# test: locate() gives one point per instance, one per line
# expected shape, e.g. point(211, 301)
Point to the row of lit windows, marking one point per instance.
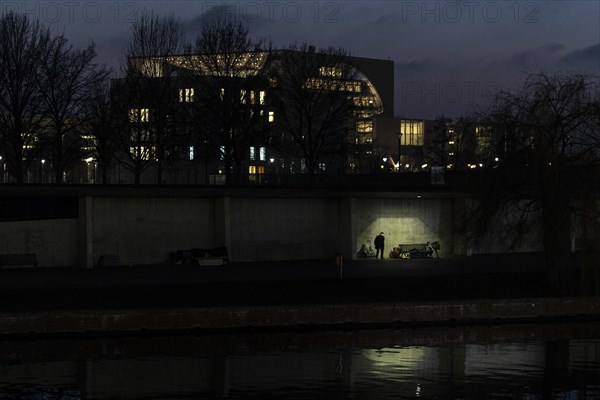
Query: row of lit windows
point(364, 126)
point(363, 101)
point(143, 114)
point(186, 95)
point(334, 72)
point(256, 169)
point(251, 97)
point(262, 153)
point(139, 115)
point(142, 153)
point(327, 84)
point(411, 133)
point(260, 169)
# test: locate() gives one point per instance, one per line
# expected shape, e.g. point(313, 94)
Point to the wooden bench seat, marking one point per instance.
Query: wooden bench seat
point(216, 256)
point(415, 250)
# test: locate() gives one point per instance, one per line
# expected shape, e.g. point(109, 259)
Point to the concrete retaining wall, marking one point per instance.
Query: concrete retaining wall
point(143, 230)
point(53, 241)
point(142, 226)
point(284, 228)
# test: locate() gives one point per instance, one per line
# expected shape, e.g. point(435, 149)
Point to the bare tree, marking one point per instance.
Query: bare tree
point(23, 44)
point(452, 143)
point(148, 93)
point(230, 108)
point(68, 78)
point(100, 116)
point(313, 103)
point(549, 148)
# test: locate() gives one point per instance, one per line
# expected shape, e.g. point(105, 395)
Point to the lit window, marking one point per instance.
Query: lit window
point(139, 115)
point(142, 153)
point(334, 72)
point(322, 166)
point(352, 87)
point(263, 154)
point(262, 96)
point(364, 126)
point(252, 154)
point(186, 95)
point(243, 96)
point(411, 133)
point(222, 151)
point(222, 94)
point(191, 153)
point(303, 165)
point(256, 169)
point(252, 97)
point(271, 116)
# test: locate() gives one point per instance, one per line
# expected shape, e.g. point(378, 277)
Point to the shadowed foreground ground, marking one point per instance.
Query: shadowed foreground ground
point(274, 283)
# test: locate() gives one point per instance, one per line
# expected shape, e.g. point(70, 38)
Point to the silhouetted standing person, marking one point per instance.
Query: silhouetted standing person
point(379, 245)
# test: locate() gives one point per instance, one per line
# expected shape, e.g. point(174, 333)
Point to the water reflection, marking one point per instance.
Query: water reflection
point(519, 361)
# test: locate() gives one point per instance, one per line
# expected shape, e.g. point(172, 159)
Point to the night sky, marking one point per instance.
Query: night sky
point(448, 55)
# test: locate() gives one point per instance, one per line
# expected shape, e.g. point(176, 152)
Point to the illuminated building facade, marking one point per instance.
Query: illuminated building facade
point(369, 93)
point(413, 145)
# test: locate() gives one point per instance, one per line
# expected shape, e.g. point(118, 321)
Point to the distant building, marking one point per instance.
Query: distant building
point(370, 94)
point(412, 145)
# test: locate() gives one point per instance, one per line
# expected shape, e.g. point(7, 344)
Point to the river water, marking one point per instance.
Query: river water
point(534, 361)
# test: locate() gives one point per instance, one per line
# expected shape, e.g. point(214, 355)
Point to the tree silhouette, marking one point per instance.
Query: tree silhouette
point(68, 78)
point(23, 44)
point(314, 109)
point(548, 143)
point(148, 93)
point(229, 109)
point(99, 119)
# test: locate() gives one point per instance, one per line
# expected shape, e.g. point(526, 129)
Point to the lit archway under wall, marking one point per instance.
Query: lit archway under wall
point(403, 220)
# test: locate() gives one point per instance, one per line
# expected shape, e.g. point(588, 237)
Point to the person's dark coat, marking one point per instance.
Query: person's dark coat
point(379, 242)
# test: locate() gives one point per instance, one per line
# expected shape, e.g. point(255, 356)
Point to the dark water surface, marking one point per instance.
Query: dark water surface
point(541, 361)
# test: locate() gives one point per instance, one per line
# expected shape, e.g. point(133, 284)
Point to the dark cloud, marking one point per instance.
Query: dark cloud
point(430, 50)
point(587, 58)
point(251, 18)
point(538, 58)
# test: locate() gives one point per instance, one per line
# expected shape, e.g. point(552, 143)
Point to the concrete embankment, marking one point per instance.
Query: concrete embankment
point(300, 316)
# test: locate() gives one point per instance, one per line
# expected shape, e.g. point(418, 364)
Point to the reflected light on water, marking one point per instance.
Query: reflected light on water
point(328, 365)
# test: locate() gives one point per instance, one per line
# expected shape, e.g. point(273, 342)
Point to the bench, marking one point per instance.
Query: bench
point(13, 260)
point(216, 256)
point(415, 250)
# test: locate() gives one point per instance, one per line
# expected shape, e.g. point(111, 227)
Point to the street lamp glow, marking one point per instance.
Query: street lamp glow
point(384, 159)
point(43, 161)
point(272, 160)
